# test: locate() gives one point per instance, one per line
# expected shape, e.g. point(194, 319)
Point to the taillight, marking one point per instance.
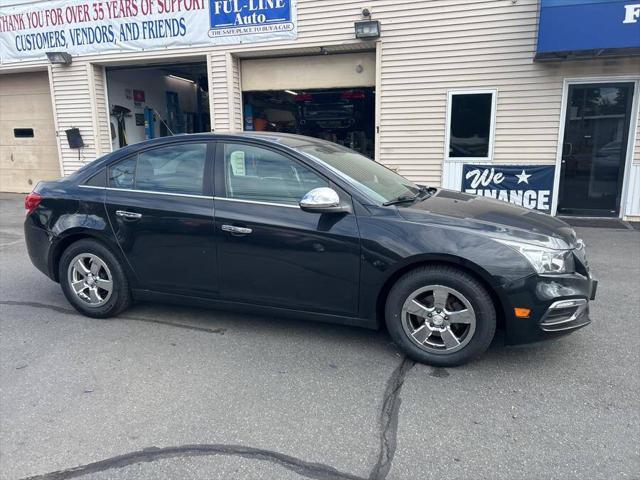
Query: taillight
point(31, 202)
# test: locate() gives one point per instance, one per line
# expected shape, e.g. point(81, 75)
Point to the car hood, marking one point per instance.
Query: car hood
point(490, 217)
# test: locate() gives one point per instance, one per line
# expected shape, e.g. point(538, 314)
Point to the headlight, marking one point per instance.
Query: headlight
point(544, 260)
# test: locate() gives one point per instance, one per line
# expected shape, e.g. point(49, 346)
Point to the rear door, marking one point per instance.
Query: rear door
point(160, 204)
point(270, 252)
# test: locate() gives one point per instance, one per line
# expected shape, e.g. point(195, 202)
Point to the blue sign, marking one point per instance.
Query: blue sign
point(270, 19)
point(529, 186)
point(575, 25)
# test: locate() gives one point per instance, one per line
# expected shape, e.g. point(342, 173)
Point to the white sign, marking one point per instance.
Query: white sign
point(82, 27)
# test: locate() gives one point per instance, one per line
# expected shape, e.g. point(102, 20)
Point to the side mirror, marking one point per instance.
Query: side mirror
point(322, 200)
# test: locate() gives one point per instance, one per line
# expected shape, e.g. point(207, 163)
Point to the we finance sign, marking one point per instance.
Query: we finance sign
point(82, 27)
point(529, 186)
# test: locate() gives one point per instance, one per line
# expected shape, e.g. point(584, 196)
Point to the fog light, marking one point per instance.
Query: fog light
point(522, 312)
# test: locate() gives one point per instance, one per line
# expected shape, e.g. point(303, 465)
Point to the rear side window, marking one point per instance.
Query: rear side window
point(259, 174)
point(122, 174)
point(97, 179)
point(171, 169)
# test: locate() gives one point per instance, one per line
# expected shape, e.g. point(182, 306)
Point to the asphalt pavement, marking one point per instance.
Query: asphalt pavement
point(166, 392)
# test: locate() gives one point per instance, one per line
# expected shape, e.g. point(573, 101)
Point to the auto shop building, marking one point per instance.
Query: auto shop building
point(529, 101)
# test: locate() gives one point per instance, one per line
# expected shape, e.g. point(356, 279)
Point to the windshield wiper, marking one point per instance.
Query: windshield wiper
point(423, 192)
point(401, 199)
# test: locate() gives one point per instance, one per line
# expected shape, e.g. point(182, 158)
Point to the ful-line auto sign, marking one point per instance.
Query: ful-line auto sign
point(528, 186)
point(240, 20)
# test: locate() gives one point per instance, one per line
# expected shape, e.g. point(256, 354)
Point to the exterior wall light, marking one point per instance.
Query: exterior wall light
point(60, 58)
point(367, 29)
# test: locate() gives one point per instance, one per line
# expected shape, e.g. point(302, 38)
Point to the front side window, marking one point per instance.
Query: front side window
point(470, 128)
point(173, 169)
point(262, 175)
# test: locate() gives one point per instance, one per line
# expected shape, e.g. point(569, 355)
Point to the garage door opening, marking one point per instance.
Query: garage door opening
point(341, 115)
point(153, 101)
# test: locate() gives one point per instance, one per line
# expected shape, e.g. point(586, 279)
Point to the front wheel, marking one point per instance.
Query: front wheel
point(93, 280)
point(440, 316)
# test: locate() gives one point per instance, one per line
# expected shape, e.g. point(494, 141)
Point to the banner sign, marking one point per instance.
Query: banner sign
point(82, 27)
point(575, 25)
point(529, 186)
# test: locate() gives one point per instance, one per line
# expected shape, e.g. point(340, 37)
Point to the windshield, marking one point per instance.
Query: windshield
point(369, 177)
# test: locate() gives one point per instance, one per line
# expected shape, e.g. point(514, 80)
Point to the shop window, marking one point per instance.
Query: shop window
point(259, 174)
point(470, 128)
point(23, 132)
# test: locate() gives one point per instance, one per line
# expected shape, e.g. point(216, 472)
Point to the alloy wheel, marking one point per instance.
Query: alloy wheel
point(90, 279)
point(438, 319)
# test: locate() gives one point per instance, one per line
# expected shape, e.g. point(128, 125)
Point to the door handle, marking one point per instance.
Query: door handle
point(570, 152)
point(236, 230)
point(128, 215)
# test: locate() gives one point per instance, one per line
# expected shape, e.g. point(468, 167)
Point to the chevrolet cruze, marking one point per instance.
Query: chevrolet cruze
point(291, 225)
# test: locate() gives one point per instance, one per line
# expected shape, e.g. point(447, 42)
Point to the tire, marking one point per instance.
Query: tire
point(469, 316)
point(97, 298)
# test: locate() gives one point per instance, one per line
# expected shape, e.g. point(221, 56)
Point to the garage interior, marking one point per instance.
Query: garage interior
point(324, 96)
point(344, 116)
point(160, 100)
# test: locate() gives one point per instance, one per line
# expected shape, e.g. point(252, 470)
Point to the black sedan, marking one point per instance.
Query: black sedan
point(290, 225)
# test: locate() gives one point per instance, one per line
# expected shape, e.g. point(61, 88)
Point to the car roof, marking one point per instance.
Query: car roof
point(286, 139)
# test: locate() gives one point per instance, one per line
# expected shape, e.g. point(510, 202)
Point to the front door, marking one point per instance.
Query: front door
point(272, 253)
point(594, 149)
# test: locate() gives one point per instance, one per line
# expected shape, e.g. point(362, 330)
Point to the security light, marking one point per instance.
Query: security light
point(60, 58)
point(367, 29)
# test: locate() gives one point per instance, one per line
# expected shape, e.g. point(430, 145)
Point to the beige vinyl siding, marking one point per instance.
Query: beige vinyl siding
point(74, 108)
point(103, 127)
point(235, 91)
point(471, 45)
point(219, 95)
point(225, 92)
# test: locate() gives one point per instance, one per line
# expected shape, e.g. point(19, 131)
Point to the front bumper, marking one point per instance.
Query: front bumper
point(559, 304)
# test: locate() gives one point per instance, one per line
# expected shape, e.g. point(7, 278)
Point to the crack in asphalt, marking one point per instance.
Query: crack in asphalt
point(388, 422)
point(68, 311)
point(316, 471)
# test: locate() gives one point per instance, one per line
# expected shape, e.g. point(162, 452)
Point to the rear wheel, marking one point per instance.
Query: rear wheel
point(440, 316)
point(93, 280)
